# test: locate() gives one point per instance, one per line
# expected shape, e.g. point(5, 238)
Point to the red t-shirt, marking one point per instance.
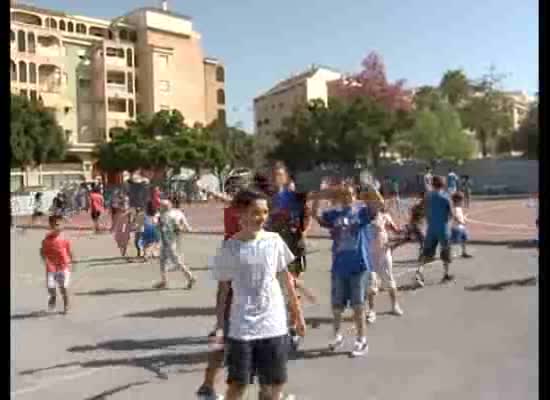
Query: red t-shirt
point(155, 199)
point(230, 222)
point(96, 202)
point(56, 250)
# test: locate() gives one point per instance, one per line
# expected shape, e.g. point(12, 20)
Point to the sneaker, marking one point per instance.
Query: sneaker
point(191, 283)
point(371, 316)
point(160, 285)
point(397, 310)
point(294, 339)
point(466, 255)
point(419, 278)
point(337, 342)
point(51, 304)
point(207, 393)
point(447, 278)
point(360, 347)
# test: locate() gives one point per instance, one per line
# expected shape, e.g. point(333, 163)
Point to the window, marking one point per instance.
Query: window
point(130, 81)
point(12, 36)
point(62, 25)
point(163, 61)
point(84, 83)
point(110, 35)
point(259, 124)
point(53, 23)
point(23, 93)
point(131, 108)
point(70, 27)
point(123, 34)
point(136, 60)
point(13, 71)
point(266, 121)
point(32, 73)
point(281, 105)
point(32, 42)
point(81, 28)
point(136, 85)
point(22, 72)
point(133, 36)
point(34, 96)
point(221, 116)
point(68, 135)
point(129, 57)
point(21, 42)
point(221, 96)
point(164, 86)
point(220, 74)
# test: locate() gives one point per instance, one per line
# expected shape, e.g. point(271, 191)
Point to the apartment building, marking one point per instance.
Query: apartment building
point(520, 102)
point(97, 74)
point(278, 103)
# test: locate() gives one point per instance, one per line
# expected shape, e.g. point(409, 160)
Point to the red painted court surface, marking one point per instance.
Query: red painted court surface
point(488, 220)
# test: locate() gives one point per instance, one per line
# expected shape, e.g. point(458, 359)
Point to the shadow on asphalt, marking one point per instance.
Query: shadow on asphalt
point(531, 281)
point(118, 389)
point(34, 315)
point(109, 292)
point(129, 344)
point(175, 312)
point(513, 244)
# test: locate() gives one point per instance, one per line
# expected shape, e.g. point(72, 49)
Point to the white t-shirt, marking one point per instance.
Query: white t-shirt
point(258, 310)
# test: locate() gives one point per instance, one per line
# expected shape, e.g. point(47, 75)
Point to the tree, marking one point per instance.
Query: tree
point(427, 97)
point(35, 135)
point(526, 138)
point(455, 87)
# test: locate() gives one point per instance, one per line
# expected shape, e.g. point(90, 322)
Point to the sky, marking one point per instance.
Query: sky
point(261, 42)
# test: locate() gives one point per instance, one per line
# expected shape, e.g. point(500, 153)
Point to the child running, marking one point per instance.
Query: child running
point(348, 225)
point(57, 256)
point(38, 206)
point(459, 233)
point(172, 223)
point(97, 207)
point(150, 238)
point(381, 257)
point(257, 341)
point(138, 223)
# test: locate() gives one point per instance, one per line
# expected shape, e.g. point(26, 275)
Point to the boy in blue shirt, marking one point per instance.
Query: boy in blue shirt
point(439, 212)
point(351, 264)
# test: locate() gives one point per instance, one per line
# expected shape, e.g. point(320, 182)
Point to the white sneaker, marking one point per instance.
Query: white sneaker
point(371, 316)
point(360, 347)
point(419, 279)
point(397, 310)
point(337, 342)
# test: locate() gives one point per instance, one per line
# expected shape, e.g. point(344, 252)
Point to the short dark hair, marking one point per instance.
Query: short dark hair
point(246, 197)
point(53, 219)
point(457, 197)
point(437, 182)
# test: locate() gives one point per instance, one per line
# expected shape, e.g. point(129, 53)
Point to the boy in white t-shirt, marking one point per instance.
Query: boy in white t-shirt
point(257, 340)
point(459, 233)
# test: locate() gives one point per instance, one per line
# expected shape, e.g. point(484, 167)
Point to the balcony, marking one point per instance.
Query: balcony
point(117, 91)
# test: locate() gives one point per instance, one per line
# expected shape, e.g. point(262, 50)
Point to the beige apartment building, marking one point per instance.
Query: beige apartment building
point(97, 74)
point(520, 102)
point(278, 103)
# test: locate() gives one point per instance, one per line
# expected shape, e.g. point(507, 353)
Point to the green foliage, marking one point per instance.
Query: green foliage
point(455, 87)
point(526, 138)
point(35, 135)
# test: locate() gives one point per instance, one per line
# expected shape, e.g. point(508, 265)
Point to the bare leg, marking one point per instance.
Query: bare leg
point(337, 321)
point(360, 324)
point(65, 295)
point(235, 391)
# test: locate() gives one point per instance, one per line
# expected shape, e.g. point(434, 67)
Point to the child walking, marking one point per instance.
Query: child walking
point(459, 233)
point(121, 228)
point(351, 264)
point(172, 223)
point(57, 256)
point(257, 340)
point(138, 222)
point(381, 257)
point(150, 237)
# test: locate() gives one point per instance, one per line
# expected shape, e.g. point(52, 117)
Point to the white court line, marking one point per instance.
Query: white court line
point(493, 224)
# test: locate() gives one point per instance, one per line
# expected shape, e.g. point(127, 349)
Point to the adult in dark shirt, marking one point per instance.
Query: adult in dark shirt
point(439, 212)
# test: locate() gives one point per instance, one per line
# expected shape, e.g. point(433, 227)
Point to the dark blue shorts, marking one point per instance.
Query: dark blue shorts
point(350, 289)
point(432, 240)
point(459, 235)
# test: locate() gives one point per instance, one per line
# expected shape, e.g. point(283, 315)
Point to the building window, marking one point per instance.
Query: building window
point(70, 27)
point(266, 121)
point(221, 96)
point(32, 73)
point(281, 105)
point(23, 93)
point(131, 108)
point(13, 71)
point(53, 23)
point(130, 81)
point(136, 64)
point(163, 61)
point(259, 123)
point(81, 28)
point(129, 57)
point(34, 96)
point(12, 36)
point(110, 35)
point(21, 42)
point(133, 36)
point(164, 86)
point(220, 74)
point(221, 116)
point(68, 134)
point(62, 25)
point(22, 72)
point(32, 42)
point(123, 34)
point(136, 88)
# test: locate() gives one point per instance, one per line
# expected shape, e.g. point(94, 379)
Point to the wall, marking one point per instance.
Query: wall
point(211, 86)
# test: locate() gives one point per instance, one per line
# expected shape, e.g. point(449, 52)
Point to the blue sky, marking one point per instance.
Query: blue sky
point(263, 41)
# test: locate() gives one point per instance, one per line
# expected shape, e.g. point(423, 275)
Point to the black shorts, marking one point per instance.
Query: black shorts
point(95, 215)
point(38, 214)
point(265, 358)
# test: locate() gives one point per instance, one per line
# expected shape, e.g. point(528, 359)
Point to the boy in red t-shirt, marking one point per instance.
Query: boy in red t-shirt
point(57, 255)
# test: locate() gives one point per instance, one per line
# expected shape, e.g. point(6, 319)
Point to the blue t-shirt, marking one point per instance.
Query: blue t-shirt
point(438, 212)
point(350, 234)
point(452, 180)
point(285, 208)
